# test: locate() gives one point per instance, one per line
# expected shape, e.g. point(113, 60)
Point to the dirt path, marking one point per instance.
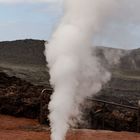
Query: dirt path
point(25, 129)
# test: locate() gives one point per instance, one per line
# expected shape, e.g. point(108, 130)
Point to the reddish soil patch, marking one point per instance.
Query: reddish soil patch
point(12, 123)
point(25, 129)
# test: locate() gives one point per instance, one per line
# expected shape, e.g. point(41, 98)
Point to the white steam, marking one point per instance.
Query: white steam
point(75, 70)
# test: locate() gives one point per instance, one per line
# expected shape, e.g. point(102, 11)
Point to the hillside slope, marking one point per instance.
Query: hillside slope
point(25, 59)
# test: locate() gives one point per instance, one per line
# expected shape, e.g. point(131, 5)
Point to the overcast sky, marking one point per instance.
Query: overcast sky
point(21, 19)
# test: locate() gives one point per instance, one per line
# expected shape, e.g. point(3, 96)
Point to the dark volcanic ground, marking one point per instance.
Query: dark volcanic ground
point(25, 59)
point(23, 75)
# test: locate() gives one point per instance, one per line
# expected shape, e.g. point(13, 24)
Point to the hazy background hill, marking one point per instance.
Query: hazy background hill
point(23, 52)
point(25, 59)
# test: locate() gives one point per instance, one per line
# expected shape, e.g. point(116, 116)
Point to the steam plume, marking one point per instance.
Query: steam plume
point(74, 68)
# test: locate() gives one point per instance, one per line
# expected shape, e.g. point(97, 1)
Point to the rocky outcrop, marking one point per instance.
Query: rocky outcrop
point(20, 98)
point(109, 117)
